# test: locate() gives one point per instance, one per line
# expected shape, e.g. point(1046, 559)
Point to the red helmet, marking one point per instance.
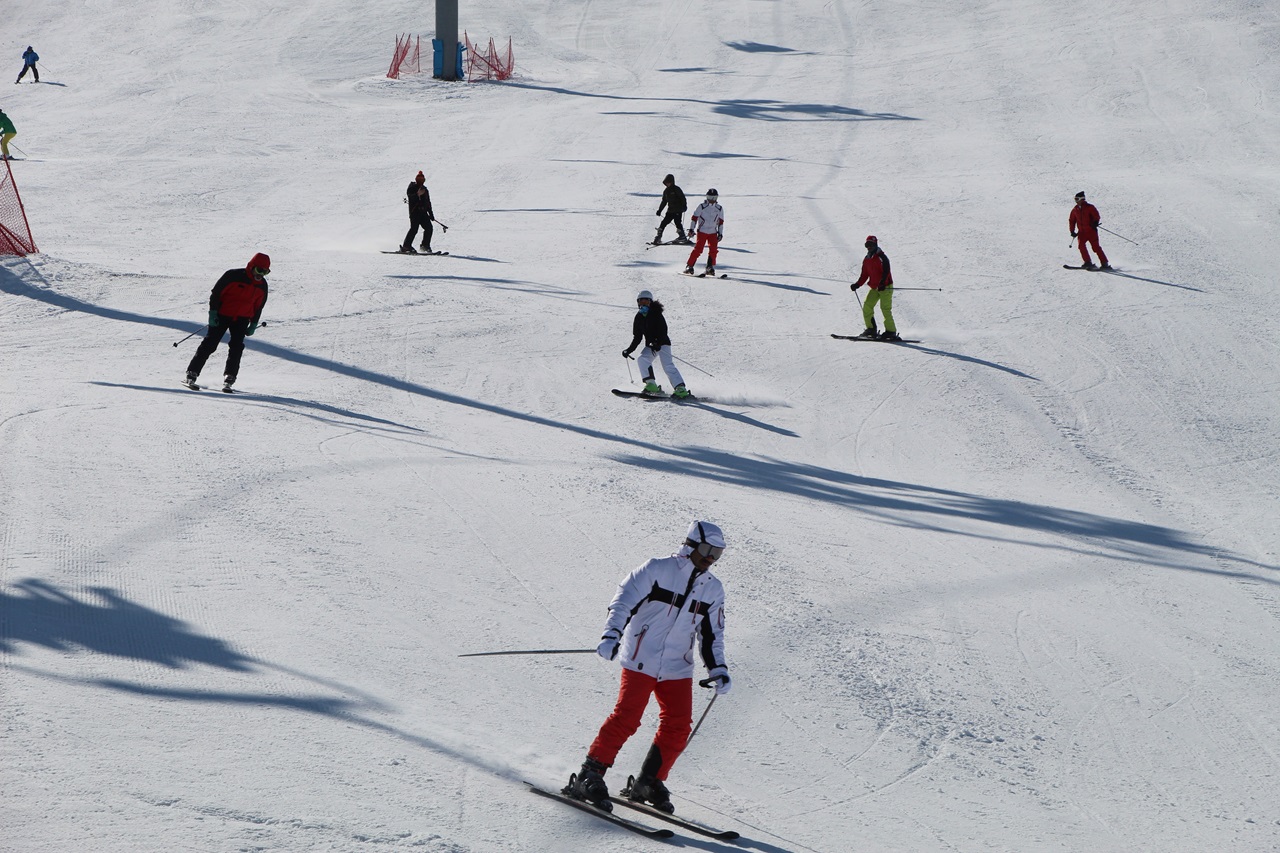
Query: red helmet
point(871, 238)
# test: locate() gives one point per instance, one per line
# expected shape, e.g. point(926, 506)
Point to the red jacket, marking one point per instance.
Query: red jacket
point(241, 293)
point(875, 271)
point(1084, 220)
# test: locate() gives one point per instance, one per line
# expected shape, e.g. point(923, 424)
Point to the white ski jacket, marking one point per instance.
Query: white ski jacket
point(662, 619)
point(709, 218)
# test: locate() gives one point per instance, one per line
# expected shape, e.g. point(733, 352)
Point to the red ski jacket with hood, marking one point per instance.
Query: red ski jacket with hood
point(241, 293)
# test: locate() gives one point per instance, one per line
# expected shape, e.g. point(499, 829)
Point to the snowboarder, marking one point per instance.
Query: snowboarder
point(235, 305)
point(29, 60)
point(652, 326)
point(420, 214)
point(1083, 224)
point(7, 132)
point(663, 611)
point(878, 278)
point(676, 204)
point(708, 227)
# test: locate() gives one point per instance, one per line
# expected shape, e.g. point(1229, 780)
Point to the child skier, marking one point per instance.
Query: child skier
point(662, 612)
point(650, 325)
point(708, 227)
point(1083, 224)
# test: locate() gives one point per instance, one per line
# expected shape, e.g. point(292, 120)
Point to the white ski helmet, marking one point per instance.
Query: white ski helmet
point(705, 539)
point(644, 294)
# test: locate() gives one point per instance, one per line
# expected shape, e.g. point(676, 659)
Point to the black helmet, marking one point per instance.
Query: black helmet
point(711, 193)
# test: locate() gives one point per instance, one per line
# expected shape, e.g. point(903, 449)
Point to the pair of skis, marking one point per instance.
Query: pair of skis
point(225, 389)
point(635, 825)
point(427, 254)
point(643, 396)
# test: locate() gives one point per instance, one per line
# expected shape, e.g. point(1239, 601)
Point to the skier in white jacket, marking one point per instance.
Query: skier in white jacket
point(665, 612)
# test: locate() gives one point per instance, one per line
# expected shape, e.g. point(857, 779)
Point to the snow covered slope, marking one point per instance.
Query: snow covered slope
point(1016, 587)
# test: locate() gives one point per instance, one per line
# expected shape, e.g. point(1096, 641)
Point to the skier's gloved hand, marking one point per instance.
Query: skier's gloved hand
point(720, 676)
point(1073, 235)
point(253, 327)
point(213, 317)
point(655, 347)
point(608, 648)
point(854, 286)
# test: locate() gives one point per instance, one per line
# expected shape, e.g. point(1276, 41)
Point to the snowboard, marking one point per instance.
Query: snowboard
point(874, 340)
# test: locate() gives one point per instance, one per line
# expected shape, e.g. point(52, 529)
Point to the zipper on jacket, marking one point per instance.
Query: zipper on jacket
point(635, 653)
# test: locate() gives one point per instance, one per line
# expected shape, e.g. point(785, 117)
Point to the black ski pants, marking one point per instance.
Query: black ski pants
point(416, 221)
point(675, 216)
point(26, 68)
point(238, 326)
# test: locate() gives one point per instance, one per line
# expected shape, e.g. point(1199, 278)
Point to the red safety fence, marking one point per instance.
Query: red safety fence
point(490, 64)
point(15, 233)
point(408, 56)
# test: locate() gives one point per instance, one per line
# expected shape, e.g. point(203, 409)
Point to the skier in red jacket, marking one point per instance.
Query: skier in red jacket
point(1083, 222)
point(878, 278)
point(236, 306)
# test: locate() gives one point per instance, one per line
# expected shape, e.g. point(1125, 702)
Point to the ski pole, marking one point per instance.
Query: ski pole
point(192, 335)
point(918, 288)
point(628, 358)
point(441, 224)
point(694, 366)
point(531, 652)
point(706, 682)
point(1114, 234)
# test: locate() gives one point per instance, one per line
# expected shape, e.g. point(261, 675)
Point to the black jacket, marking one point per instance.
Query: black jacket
point(419, 206)
point(673, 198)
point(652, 327)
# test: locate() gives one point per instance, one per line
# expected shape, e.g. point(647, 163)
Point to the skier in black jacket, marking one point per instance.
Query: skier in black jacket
point(674, 201)
point(420, 215)
point(652, 326)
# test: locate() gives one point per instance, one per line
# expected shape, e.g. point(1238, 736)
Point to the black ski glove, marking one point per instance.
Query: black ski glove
point(854, 286)
point(626, 353)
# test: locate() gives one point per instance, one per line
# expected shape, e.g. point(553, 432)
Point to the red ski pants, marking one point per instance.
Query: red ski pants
point(710, 240)
point(1092, 240)
point(675, 718)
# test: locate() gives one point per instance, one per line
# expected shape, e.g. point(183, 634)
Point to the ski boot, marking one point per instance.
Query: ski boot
point(711, 271)
point(870, 332)
point(227, 382)
point(688, 270)
point(657, 241)
point(408, 250)
point(190, 380)
point(588, 785)
point(681, 392)
point(1089, 265)
point(650, 791)
point(1106, 266)
point(651, 387)
point(683, 241)
point(890, 335)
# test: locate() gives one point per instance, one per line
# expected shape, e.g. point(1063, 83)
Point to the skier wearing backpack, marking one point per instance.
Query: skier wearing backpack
point(878, 278)
point(650, 325)
point(235, 306)
point(665, 612)
point(707, 224)
point(7, 132)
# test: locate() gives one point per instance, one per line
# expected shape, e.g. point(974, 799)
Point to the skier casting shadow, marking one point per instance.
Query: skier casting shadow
point(663, 611)
point(235, 305)
point(652, 326)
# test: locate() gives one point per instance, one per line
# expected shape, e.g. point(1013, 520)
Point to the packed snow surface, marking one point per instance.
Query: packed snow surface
point(1013, 588)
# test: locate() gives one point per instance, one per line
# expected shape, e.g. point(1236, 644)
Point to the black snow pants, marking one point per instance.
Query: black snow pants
point(237, 326)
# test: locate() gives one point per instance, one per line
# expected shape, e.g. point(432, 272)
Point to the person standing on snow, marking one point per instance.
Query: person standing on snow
point(708, 227)
point(1083, 224)
point(7, 132)
point(29, 60)
point(663, 613)
point(652, 326)
point(420, 215)
point(878, 278)
point(236, 306)
point(676, 204)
